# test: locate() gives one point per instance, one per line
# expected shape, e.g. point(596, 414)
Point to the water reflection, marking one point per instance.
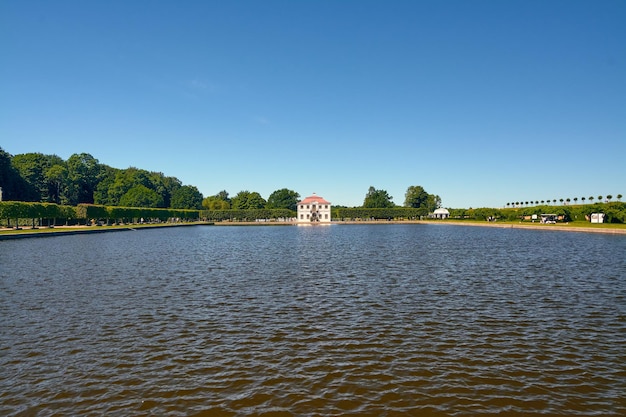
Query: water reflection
point(338, 320)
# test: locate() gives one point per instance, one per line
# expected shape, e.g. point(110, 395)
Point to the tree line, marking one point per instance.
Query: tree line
point(615, 212)
point(82, 179)
point(563, 201)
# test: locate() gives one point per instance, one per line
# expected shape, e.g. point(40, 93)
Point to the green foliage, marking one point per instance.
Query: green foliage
point(220, 201)
point(417, 197)
point(27, 210)
point(246, 200)
point(13, 185)
point(187, 197)
point(247, 215)
point(215, 203)
point(377, 199)
point(56, 178)
point(83, 173)
point(404, 213)
point(34, 168)
point(283, 199)
point(141, 196)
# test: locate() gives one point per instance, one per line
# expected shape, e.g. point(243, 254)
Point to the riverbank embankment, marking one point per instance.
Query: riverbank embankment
point(6, 234)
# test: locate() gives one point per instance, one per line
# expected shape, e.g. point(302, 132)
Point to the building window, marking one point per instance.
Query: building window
point(302, 216)
point(307, 206)
point(326, 206)
point(307, 216)
point(325, 216)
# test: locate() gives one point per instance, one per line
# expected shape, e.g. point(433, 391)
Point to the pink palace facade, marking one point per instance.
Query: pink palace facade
point(314, 209)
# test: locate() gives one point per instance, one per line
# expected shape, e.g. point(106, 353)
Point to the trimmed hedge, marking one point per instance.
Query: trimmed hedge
point(246, 215)
point(406, 213)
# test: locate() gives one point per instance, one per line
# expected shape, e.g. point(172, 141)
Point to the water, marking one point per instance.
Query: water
point(364, 320)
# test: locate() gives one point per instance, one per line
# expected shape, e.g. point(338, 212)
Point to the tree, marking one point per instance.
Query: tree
point(219, 201)
point(32, 168)
point(283, 199)
point(583, 199)
point(575, 200)
point(223, 195)
point(377, 199)
point(215, 203)
point(415, 197)
point(591, 198)
point(433, 202)
point(619, 197)
point(245, 200)
point(83, 173)
point(609, 197)
point(57, 178)
point(13, 185)
point(107, 179)
point(141, 196)
point(187, 197)
point(599, 199)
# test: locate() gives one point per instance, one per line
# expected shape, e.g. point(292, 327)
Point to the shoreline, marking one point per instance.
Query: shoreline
point(77, 230)
point(45, 231)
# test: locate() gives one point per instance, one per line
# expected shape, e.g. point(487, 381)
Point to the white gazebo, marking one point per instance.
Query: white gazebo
point(314, 209)
point(440, 213)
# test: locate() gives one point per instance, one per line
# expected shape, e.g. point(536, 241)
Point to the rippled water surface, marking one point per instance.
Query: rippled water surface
point(378, 320)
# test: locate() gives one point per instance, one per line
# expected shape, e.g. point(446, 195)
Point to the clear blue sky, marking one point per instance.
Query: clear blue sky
point(481, 102)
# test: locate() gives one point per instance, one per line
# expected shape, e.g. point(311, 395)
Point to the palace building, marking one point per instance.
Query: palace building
point(314, 209)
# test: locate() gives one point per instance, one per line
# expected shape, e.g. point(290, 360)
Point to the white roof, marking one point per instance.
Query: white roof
point(441, 211)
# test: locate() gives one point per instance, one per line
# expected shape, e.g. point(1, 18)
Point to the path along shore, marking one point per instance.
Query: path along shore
point(75, 230)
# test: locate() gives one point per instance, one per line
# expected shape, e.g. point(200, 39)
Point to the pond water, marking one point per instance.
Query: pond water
point(368, 320)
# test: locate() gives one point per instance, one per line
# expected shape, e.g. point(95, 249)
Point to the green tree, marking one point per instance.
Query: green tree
point(32, 168)
point(619, 197)
point(141, 196)
point(609, 197)
point(283, 199)
point(599, 199)
point(57, 179)
point(415, 197)
point(83, 173)
point(220, 201)
point(107, 179)
point(433, 202)
point(223, 195)
point(377, 199)
point(215, 203)
point(187, 197)
point(248, 200)
point(13, 185)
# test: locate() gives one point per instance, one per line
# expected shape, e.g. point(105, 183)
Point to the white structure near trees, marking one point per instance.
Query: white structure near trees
point(314, 209)
point(440, 213)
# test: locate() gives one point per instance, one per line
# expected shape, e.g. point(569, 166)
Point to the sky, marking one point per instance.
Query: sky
point(481, 102)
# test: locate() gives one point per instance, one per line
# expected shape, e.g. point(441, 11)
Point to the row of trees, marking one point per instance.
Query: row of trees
point(609, 197)
point(415, 197)
point(615, 212)
point(83, 179)
point(52, 214)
